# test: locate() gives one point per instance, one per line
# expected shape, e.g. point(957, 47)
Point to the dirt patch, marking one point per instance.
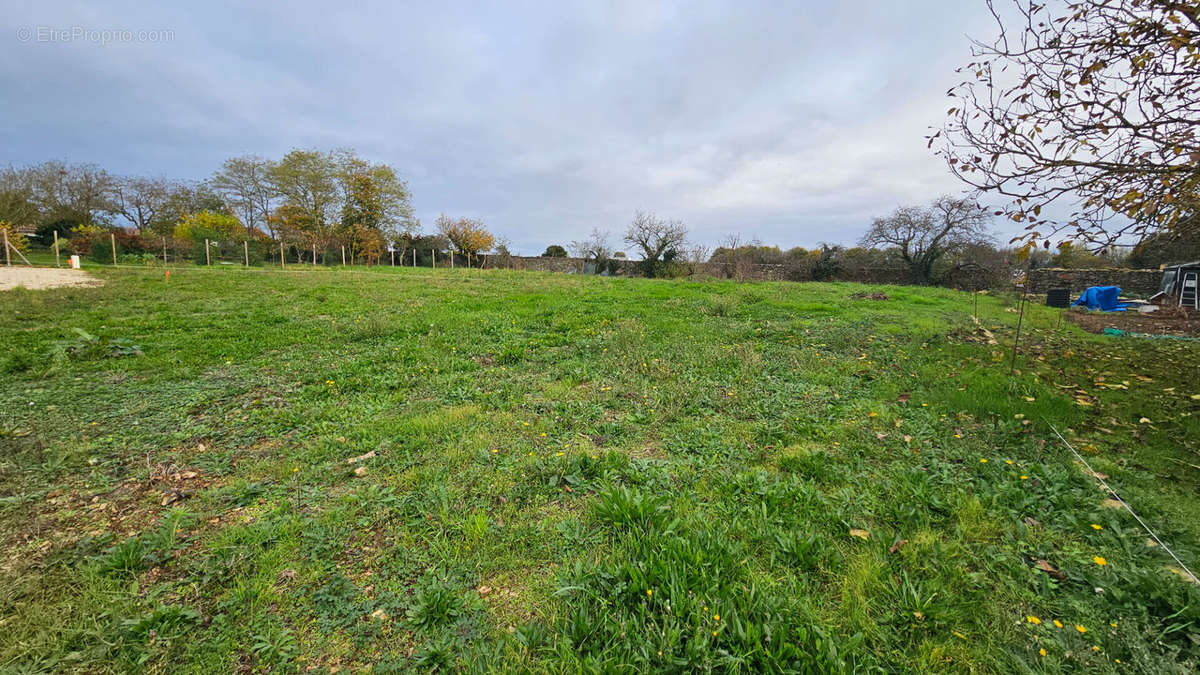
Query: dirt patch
point(868, 296)
point(1166, 321)
point(39, 278)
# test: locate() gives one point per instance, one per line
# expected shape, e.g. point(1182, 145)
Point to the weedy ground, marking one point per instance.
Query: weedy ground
point(409, 469)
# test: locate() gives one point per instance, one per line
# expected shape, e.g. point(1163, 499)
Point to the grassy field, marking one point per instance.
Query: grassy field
point(408, 469)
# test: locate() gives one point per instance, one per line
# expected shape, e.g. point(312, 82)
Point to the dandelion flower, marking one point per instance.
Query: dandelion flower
point(1024, 477)
point(1079, 628)
point(1113, 624)
point(1097, 527)
point(1095, 648)
point(1008, 461)
point(872, 414)
point(958, 435)
point(714, 633)
point(983, 460)
point(716, 617)
point(1033, 620)
point(1100, 561)
point(649, 592)
point(1057, 623)
point(1042, 651)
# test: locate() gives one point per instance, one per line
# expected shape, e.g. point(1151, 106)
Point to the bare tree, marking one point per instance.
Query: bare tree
point(76, 193)
point(597, 248)
point(245, 183)
point(1093, 103)
point(141, 201)
point(923, 235)
point(655, 237)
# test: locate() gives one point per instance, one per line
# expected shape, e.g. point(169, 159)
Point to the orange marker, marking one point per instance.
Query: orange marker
point(168, 278)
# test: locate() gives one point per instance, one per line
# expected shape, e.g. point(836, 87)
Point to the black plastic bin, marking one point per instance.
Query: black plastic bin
point(1058, 297)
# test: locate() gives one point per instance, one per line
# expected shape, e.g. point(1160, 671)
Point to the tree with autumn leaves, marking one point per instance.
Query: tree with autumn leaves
point(330, 199)
point(466, 235)
point(1088, 107)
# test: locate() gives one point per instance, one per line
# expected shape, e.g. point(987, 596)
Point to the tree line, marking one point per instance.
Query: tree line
point(309, 203)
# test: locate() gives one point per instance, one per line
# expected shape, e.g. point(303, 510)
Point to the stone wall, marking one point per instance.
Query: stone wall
point(743, 271)
point(1132, 282)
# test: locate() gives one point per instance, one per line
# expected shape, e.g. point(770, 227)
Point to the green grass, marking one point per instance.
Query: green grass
point(581, 474)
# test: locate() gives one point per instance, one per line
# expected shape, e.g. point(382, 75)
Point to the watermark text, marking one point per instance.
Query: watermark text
point(98, 36)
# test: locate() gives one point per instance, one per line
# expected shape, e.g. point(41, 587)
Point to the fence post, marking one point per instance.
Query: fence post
point(414, 257)
point(112, 241)
point(164, 251)
point(246, 252)
point(7, 262)
point(207, 257)
point(282, 265)
point(433, 252)
point(451, 259)
point(314, 247)
point(393, 254)
point(343, 256)
point(56, 263)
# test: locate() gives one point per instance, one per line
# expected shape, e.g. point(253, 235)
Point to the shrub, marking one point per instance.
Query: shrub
point(100, 249)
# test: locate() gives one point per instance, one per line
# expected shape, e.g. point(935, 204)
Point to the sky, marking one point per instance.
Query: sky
point(790, 122)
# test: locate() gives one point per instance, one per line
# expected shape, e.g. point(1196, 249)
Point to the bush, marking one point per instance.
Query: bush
point(101, 250)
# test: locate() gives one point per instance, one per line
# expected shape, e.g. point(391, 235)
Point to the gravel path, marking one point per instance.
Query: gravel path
point(37, 278)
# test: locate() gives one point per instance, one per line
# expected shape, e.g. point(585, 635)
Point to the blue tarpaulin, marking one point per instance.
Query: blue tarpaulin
point(1103, 298)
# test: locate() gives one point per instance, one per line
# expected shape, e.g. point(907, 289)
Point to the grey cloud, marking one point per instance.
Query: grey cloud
point(792, 122)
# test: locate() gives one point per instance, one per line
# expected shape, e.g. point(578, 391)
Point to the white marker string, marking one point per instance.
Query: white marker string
point(1123, 503)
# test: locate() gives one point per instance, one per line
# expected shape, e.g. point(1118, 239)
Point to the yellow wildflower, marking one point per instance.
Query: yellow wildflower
point(1079, 628)
point(1033, 620)
point(1097, 527)
point(1099, 561)
point(1057, 623)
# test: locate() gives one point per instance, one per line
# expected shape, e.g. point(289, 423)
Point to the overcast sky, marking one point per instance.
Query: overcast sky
point(793, 122)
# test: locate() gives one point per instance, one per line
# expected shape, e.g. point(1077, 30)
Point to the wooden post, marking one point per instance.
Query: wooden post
point(343, 256)
point(282, 264)
point(246, 252)
point(433, 252)
point(207, 257)
point(314, 246)
point(164, 251)
point(56, 263)
point(393, 254)
point(414, 257)
point(7, 262)
point(468, 260)
point(451, 259)
point(112, 241)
